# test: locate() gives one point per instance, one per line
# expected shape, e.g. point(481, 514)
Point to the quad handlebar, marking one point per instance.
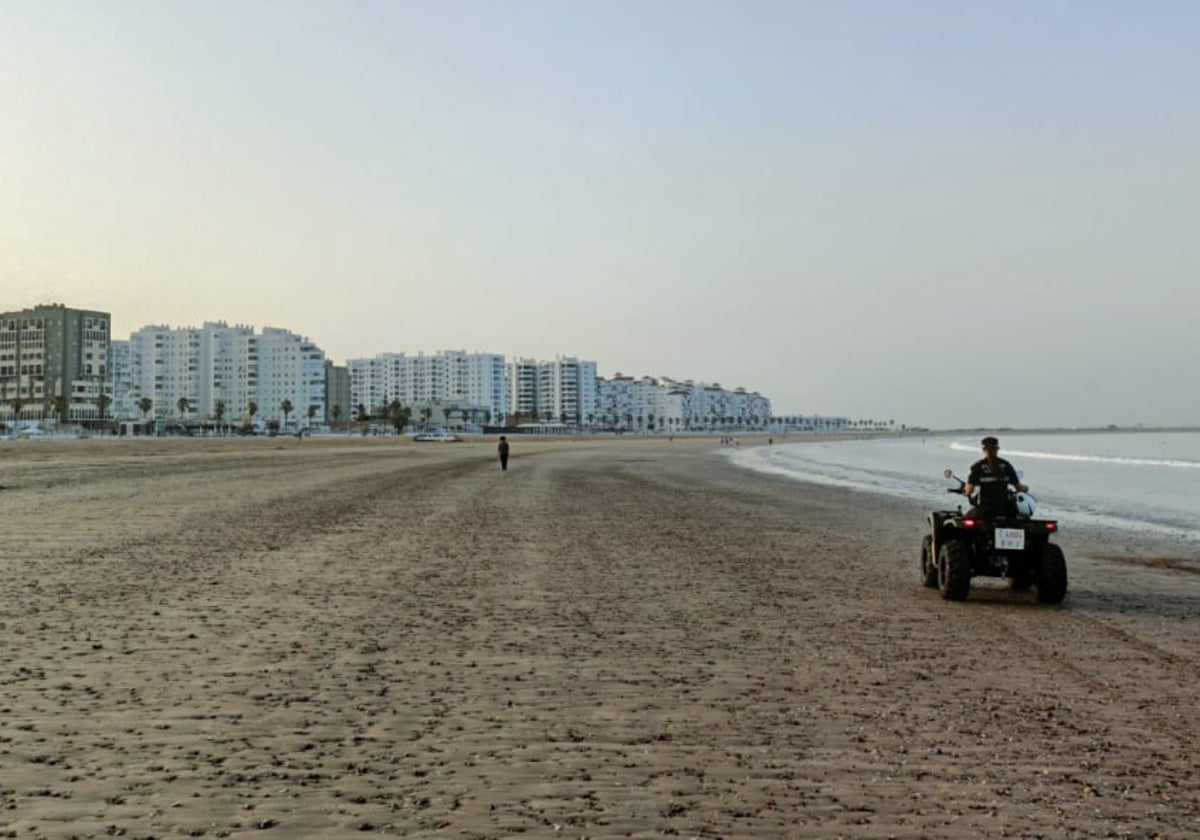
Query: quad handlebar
point(961, 484)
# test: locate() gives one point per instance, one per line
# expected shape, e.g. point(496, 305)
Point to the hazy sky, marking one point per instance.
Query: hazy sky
point(941, 213)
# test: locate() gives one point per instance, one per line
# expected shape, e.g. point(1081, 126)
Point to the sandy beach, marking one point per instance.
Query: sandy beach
point(617, 638)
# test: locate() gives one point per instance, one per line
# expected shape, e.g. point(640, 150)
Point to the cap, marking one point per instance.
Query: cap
point(990, 442)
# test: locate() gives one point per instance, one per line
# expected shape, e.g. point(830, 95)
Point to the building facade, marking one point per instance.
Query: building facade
point(223, 374)
point(291, 372)
point(649, 404)
point(54, 364)
point(562, 390)
point(521, 385)
point(446, 384)
point(808, 423)
point(339, 404)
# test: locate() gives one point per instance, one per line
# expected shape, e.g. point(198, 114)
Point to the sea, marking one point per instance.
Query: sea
point(1143, 482)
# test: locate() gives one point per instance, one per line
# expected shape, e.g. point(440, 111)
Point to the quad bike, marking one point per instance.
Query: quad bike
point(1008, 544)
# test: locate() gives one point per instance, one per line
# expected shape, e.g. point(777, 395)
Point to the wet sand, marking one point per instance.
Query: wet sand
point(620, 638)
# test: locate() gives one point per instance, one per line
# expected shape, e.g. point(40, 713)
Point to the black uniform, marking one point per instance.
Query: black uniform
point(993, 487)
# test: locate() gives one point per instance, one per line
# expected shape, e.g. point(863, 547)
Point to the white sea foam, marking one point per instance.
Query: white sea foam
point(1097, 459)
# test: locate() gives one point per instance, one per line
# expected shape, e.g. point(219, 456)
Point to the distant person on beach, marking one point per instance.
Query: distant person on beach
point(502, 448)
point(991, 475)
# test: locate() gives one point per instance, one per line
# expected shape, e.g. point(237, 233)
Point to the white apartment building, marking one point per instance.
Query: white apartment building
point(291, 369)
point(567, 390)
point(164, 367)
point(562, 390)
point(219, 365)
point(470, 384)
point(121, 380)
point(717, 409)
point(630, 403)
point(807, 423)
point(521, 384)
point(230, 364)
point(647, 404)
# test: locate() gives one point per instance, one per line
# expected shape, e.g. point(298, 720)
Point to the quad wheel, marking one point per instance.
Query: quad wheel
point(1051, 577)
point(1021, 575)
point(954, 571)
point(929, 569)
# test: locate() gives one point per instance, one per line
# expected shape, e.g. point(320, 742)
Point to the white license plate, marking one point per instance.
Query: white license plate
point(1010, 539)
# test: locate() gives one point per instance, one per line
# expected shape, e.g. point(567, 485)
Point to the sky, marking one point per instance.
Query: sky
point(943, 214)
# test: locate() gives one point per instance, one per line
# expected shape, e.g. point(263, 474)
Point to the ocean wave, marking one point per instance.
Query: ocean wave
point(1089, 459)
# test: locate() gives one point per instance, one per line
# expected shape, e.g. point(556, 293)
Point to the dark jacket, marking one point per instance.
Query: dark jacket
point(994, 499)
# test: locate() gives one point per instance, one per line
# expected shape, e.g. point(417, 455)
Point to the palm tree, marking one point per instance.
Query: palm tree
point(251, 410)
point(59, 405)
point(102, 403)
point(399, 415)
point(219, 412)
point(336, 413)
point(17, 404)
point(286, 407)
point(312, 413)
point(145, 404)
point(184, 405)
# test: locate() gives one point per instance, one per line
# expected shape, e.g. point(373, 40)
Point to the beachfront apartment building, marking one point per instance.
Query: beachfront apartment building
point(716, 408)
point(521, 385)
point(54, 364)
point(561, 390)
point(650, 404)
point(445, 386)
point(167, 365)
point(120, 378)
point(338, 403)
point(629, 403)
point(783, 424)
point(567, 390)
point(218, 369)
point(291, 370)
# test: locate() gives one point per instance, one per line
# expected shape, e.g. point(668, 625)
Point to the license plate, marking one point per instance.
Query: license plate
point(1010, 539)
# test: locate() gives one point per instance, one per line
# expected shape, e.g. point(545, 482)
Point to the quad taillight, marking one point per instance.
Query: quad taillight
point(968, 522)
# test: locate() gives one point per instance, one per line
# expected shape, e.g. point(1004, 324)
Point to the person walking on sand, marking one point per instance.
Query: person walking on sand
point(502, 448)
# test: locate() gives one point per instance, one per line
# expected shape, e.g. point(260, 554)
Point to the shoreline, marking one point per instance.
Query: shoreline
point(1099, 539)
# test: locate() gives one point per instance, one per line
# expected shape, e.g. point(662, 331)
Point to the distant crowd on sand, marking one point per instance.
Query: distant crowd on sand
point(730, 440)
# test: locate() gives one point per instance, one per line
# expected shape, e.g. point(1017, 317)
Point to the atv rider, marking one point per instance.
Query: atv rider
point(991, 475)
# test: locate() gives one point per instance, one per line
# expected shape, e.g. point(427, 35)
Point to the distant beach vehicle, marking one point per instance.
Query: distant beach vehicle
point(438, 436)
